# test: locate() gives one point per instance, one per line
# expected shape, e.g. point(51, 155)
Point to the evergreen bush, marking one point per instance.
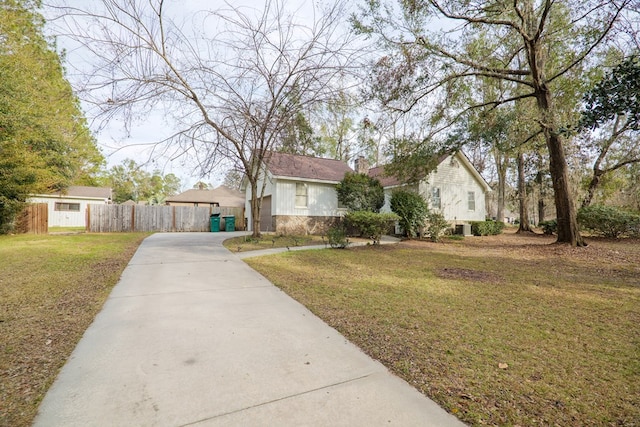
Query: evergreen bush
point(436, 225)
point(370, 225)
point(360, 192)
point(486, 228)
point(412, 210)
point(549, 227)
point(337, 236)
point(608, 221)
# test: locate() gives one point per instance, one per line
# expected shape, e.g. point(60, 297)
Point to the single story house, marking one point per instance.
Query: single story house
point(300, 195)
point(68, 208)
point(454, 188)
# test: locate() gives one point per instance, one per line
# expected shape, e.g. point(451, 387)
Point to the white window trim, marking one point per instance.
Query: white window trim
point(59, 205)
point(471, 198)
point(435, 199)
point(306, 195)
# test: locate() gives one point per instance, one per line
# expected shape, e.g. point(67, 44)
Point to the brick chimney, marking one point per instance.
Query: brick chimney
point(361, 165)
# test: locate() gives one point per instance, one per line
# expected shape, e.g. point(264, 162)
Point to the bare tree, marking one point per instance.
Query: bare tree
point(231, 79)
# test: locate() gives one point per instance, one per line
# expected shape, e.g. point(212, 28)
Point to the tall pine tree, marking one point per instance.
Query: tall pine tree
point(45, 143)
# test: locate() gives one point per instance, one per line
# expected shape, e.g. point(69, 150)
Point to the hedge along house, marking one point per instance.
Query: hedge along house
point(68, 208)
point(455, 188)
point(299, 195)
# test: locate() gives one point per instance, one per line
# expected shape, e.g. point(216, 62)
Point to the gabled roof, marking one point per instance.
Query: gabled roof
point(83, 192)
point(474, 171)
point(222, 195)
point(385, 181)
point(305, 167)
point(392, 181)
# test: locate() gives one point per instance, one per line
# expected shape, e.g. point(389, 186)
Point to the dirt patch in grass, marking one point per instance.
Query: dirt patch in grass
point(465, 274)
point(51, 288)
point(499, 330)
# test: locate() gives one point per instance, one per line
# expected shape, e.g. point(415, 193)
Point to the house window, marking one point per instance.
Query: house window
point(471, 200)
point(301, 195)
point(340, 204)
point(67, 207)
point(435, 199)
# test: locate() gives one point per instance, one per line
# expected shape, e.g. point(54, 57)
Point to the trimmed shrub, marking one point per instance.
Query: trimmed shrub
point(412, 210)
point(436, 225)
point(337, 236)
point(486, 228)
point(360, 192)
point(608, 221)
point(549, 227)
point(370, 225)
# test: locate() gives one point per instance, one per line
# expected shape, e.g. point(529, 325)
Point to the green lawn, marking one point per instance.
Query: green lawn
point(503, 330)
point(51, 287)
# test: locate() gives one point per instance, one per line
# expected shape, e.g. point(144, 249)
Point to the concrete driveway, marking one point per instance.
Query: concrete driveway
point(191, 336)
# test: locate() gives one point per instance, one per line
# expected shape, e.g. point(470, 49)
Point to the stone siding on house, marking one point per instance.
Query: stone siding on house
point(302, 225)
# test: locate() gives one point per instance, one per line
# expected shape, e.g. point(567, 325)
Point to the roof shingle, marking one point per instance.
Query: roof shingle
point(305, 167)
point(84, 191)
point(222, 195)
point(385, 180)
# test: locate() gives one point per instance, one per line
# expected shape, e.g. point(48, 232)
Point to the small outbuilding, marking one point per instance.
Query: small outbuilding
point(222, 200)
point(68, 208)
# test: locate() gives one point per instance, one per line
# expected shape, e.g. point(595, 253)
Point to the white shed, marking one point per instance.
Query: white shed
point(68, 208)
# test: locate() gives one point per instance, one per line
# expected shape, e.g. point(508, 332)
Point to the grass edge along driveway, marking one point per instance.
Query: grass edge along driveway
point(506, 330)
point(51, 288)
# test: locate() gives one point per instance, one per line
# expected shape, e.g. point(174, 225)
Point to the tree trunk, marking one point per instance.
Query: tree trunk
point(565, 207)
point(524, 226)
point(502, 178)
point(541, 209)
point(541, 192)
point(256, 205)
point(593, 185)
point(566, 214)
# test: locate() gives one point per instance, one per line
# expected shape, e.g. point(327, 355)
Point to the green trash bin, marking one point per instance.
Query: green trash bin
point(229, 223)
point(214, 222)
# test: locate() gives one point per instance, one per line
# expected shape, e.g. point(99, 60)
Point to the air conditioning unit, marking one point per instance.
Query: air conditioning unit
point(398, 229)
point(464, 229)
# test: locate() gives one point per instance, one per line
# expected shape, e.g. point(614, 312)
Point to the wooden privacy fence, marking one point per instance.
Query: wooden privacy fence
point(33, 219)
point(128, 218)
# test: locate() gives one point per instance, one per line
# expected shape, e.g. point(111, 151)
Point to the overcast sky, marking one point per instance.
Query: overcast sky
point(114, 141)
